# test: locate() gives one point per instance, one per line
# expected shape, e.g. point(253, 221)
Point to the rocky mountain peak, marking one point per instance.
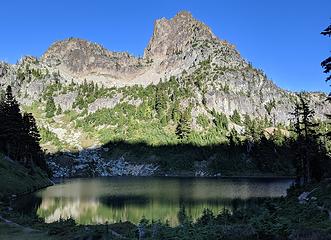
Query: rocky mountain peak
point(175, 35)
point(80, 58)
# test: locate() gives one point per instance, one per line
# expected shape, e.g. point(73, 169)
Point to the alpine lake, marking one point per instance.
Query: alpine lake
point(115, 199)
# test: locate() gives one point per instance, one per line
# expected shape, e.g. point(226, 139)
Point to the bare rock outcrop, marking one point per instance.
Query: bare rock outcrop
point(104, 103)
point(66, 101)
point(82, 58)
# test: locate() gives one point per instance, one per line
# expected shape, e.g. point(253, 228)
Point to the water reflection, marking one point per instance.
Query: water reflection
point(94, 201)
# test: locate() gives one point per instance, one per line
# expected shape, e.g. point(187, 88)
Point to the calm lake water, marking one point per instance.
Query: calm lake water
point(100, 200)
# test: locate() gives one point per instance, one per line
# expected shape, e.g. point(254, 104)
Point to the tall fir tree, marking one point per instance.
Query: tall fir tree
point(326, 64)
point(220, 120)
point(183, 128)
point(309, 151)
point(235, 117)
point(11, 124)
point(32, 141)
point(50, 107)
point(19, 136)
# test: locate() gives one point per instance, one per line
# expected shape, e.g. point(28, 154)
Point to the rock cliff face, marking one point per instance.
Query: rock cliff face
point(79, 59)
point(210, 69)
point(176, 37)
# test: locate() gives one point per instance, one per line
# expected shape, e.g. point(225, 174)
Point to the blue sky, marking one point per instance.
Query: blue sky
point(279, 36)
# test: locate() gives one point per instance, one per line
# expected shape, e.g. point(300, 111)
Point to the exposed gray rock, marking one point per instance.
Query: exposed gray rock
point(35, 89)
point(104, 103)
point(134, 102)
point(175, 36)
point(65, 101)
point(90, 163)
point(81, 58)
point(303, 197)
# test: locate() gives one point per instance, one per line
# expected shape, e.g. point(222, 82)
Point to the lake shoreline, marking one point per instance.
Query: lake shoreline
point(70, 229)
point(150, 197)
point(58, 180)
point(238, 178)
point(55, 181)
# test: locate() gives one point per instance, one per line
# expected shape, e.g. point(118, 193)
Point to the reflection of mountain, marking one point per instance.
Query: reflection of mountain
point(168, 188)
point(93, 201)
point(95, 212)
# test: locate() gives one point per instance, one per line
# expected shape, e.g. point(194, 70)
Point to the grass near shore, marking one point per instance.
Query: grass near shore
point(16, 179)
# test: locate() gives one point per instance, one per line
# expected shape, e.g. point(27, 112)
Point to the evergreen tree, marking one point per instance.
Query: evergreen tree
point(85, 86)
point(309, 152)
point(2, 94)
point(220, 120)
point(31, 136)
point(11, 124)
point(278, 137)
point(182, 216)
point(50, 107)
point(233, 138)
point(183, 128)
point(96, 90)
point(326, 64)
point(59, 110)
point(235, 117)
point(160, 103)
point(253, 129)
point(19, 136)
point(175, 114)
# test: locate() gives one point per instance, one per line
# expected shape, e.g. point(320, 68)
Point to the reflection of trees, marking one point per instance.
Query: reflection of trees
point(121, 201)
point(97, 212)
point(96, 201)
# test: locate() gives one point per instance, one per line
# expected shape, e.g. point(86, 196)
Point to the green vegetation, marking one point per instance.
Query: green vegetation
point(50, 107)
point(282, 218)
point(19, 142)
point(220, 121)
point(19, 136)
point(235, 117)
point(155, 120)
point(17, 179)
point(183, 128)
point(49, 136)
point(269, 106)
point(311, 154)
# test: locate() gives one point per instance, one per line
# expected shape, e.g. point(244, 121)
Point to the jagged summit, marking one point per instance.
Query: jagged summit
point(176, 45)
point(176, 35)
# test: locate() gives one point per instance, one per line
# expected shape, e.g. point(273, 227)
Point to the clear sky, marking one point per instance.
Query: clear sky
point(280, 36)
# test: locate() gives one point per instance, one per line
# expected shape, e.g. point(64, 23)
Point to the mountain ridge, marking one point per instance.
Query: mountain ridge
point(209, 73)
point(95, 103)
point(168, 53)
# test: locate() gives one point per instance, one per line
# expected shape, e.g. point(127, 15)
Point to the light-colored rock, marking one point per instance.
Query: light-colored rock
point(104, 103)
point(65, 101)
